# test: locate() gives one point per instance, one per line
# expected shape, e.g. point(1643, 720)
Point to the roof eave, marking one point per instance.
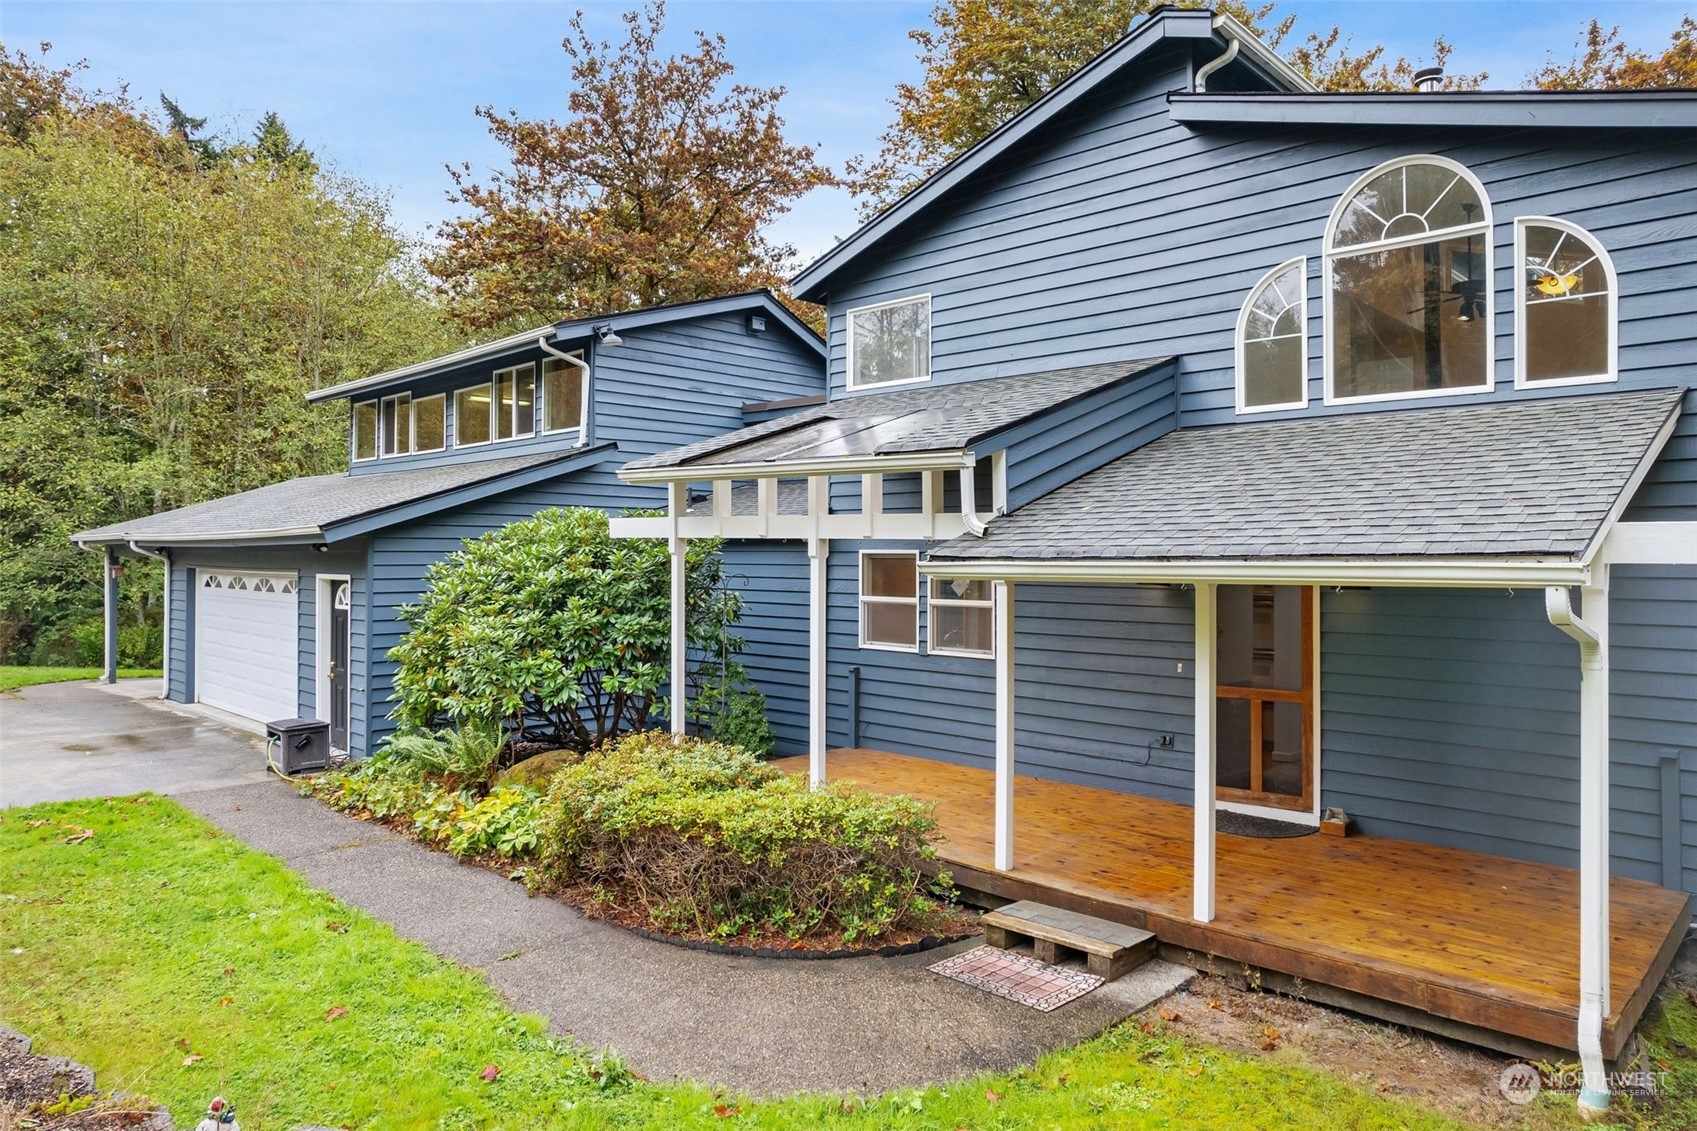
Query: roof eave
point(1441, 573)
point(513, 343)
point(282, 536)
point(1490, 109)
point(700, 308)
point(953, 459)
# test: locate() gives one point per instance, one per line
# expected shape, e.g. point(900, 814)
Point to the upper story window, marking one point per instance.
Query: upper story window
point(889, 343)
point(889, 601)
point(1272, 361)
point(430, 423)
point(1565, 322)
point(515, 402)
point(395, 425)
point(472, 415)
point(365, 430)
point(565, 394)
point(1408, 270)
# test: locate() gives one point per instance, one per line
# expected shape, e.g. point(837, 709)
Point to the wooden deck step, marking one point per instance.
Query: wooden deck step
point(1111, 950)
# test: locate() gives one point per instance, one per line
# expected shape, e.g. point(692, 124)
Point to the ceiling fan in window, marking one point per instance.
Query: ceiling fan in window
point(1467, 291)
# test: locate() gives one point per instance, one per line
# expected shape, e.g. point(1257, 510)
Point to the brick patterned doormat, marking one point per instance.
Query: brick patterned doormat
point(1016, 977)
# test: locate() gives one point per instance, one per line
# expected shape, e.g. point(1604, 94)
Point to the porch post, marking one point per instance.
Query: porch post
point(677, 503)
point(1594, 844)
point(1002, 596)
point(818, 623)
point(1202, 894)
point(109, 606)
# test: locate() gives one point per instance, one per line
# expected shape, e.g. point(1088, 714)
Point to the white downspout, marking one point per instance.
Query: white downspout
point(1592, 638)
point(583, 411)
point(969, 505)
point(165, 643)
point(1200, 86)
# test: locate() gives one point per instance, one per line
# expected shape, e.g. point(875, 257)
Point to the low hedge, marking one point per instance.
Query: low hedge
point(703, 839)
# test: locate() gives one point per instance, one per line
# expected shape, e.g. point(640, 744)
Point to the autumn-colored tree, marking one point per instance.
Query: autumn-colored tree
point(1603, 62)
point(657, 188)
point(986, 60)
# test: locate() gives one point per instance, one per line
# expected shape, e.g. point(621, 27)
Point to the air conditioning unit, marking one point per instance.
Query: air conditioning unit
point(297, 746)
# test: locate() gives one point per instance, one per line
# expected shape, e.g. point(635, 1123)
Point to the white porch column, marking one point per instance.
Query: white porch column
point(1202, 878)
point(109, 622)
point(818, 625)
point(1002, 594)
point(677, 502)
point(1594, 844)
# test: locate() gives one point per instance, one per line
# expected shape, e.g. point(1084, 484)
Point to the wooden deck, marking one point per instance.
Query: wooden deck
point(1461, 939)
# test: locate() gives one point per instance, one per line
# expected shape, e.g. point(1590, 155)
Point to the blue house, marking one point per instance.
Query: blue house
point(282, 601)
point(1207, 453)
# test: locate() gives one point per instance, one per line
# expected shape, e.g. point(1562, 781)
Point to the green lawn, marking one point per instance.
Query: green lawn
point(180, 964)
point(13, 678)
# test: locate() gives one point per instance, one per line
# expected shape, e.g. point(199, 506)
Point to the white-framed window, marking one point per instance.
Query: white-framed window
point(515, 402)
point(889, 600)
point(962, 618)
point(430, 423)
point(889, 343)
point(1272, 341)
point(565, 395)
point(1566, 321)
point(473, 415)
point(365, 430)
point(1408, 284)
point(395, 425)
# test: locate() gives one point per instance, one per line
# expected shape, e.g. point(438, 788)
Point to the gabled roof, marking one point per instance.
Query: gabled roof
point(573, 329)
point(1536, 479)
point(325, 508)
point(1164, 25)
point(1595, 109)
point(885, 428)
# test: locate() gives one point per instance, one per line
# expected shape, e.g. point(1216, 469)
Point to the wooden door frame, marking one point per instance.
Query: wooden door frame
point(1252, 800)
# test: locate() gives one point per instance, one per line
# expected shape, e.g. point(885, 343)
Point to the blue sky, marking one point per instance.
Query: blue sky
point(386, 90)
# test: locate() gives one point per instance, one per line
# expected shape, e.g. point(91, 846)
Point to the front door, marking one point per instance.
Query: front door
point(339, 608)
point(1264, 695)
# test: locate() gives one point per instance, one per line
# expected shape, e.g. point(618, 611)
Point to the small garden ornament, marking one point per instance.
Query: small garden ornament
point(220, 1116)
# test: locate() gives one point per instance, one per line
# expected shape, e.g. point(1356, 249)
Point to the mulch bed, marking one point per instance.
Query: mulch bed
point(53, 1093)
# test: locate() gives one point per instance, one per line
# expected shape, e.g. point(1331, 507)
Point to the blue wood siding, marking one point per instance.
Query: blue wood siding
point(179, 677)
point(771, 578)
point(1669, 492)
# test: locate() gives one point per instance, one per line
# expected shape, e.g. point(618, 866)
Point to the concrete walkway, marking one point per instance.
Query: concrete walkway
point(760, 1026)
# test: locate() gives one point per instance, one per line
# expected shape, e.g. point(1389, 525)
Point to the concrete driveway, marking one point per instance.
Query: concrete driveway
point(62, 741)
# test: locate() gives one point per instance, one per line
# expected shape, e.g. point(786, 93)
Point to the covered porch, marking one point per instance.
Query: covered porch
point(1475, 946)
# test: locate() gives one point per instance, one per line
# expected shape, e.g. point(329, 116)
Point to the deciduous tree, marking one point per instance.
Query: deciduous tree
point(657, 187)
point(1602, 61)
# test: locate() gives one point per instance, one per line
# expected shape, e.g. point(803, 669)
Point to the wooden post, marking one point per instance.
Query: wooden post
point(1202, 878)
point(1594, 844)
point(109, 592)
point(1002, 598)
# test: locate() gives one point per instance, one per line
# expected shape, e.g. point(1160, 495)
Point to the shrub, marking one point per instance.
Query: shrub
point(384, 789)
point(737, 717)
point(507, 823)
point(704, 839)
point(396, 788)
point(555, 627)
point(463, 756)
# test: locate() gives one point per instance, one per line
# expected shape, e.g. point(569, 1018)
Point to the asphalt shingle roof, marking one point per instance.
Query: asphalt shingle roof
point(934, 418)
point(1536, 478)
point(312, 503)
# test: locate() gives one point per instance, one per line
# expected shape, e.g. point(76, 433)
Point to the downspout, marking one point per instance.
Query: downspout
point(969, 505)
point(583, 424)
point(1594, 1094)
point(164, 557)
point(1200, 85)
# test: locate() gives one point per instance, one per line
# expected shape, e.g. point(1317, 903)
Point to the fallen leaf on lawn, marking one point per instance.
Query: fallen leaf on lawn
point(725, 1111)
point(1148, 1028)
point(78, 834)
point(335, 925)
point(182, 1043)
point(225, 1000)
point(1169, 1015)
point(229, 969)
point(335, 1012)
point(992, 1096)
point(1197, 1071)
point(490, 1071)
point(192, 1058)
point(38, 824)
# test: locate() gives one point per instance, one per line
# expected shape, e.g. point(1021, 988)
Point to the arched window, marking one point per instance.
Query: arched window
point(1408, 295)
point(1565, 322)
point(1272, 358)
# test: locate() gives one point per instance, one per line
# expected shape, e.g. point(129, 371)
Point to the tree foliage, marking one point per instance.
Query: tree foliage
point(160, 322)
point(1603, 61)
point(554, 628)
point(986, 60)
point(657, 188)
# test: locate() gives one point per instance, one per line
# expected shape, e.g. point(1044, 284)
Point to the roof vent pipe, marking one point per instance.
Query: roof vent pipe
point(1202, 76)
point(1426, 79)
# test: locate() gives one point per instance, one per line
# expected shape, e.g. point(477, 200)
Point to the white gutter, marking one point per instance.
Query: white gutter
point(1558, 607)
point(799, 469)
point(583, 412)
point(512, 342)
point(1314, 571)
point(165, 657)
point(1259, 53)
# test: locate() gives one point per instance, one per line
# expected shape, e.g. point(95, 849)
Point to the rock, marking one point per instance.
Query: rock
point(15, 1042)
point(536, 771)
point(69, 1077)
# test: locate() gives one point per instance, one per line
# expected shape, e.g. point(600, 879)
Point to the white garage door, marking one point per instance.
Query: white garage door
point(245, 642)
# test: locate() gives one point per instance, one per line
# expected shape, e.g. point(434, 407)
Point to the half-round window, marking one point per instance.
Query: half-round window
point(1272, 368)
point(1408, 270)
point(1564, 327)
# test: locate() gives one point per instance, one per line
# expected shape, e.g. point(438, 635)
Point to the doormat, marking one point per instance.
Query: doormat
point(1266, 828)
point(1017, 978)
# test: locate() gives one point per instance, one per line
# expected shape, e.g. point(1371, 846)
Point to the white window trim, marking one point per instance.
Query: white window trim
point(383, 432)
point(1240, 338)
point(322, 608)
point(1521, 223)
point(861, 600)
point(495, 403)
point(1485, 227)
point(376, 432)
point(412, 422)
point(458, 443)
point(542, 400)
point(848, 334)
point(932, 601)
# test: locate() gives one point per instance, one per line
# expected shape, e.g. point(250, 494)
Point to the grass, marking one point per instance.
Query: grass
point(180, 964)
point(12, 678)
